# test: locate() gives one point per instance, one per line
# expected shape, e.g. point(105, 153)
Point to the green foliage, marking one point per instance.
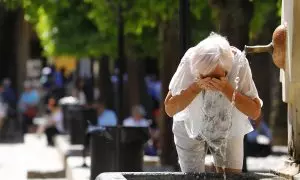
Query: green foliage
point(64, 29)
point(141, 22)
point(279, 6)
point(202, 20)
point(62, 26)
point(90, 27)
point(11, 4)
point(262, 9)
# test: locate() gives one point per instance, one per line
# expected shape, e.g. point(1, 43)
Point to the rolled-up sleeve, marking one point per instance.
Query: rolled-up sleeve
point(183, 77)
point(247, 85)
point(181, 80)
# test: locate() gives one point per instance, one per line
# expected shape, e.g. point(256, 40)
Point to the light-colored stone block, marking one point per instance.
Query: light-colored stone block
point(75, 171)
point(42, 161)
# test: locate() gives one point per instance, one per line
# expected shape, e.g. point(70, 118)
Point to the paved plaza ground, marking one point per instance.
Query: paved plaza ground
point(16, 160)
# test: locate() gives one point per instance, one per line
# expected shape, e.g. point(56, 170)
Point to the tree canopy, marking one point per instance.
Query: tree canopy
point(89, 27)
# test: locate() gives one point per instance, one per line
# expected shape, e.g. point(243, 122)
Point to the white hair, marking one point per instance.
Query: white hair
point(205, 56)
point(138, 109)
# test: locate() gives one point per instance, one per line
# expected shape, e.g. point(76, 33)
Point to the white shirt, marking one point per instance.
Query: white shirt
point(192, 114)
point(57, 116)
point(130, 122)
point(82, 98)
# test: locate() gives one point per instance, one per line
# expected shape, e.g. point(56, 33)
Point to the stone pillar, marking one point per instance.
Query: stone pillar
point(290, 78)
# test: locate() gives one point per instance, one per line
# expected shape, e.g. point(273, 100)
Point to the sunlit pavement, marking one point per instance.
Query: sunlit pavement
point(263, 164)
point(12, 162)
point(17, 159)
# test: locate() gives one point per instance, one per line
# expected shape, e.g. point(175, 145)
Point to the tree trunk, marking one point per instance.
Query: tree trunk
point(234, 20)
point(105, 84)
point(145, 98)
point(136, 86)
point(23, 49)
point(8, 43)
point(170, 55)
point(133, 84)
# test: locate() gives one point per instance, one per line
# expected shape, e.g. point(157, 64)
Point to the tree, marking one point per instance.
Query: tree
point(144, 22)
point(62, 26)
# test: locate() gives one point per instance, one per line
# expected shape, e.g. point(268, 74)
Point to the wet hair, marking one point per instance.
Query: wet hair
point(210, 52)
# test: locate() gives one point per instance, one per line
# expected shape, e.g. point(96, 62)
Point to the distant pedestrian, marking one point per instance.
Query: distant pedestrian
point(137, 118)
point(106, 117)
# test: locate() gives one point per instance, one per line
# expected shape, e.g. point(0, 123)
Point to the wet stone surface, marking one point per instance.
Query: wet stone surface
point(183, 176)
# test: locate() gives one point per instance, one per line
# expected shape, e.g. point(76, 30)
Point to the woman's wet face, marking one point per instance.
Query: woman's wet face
point(217, 73)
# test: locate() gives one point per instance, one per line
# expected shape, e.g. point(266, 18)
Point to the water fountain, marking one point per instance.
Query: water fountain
point(285, 53)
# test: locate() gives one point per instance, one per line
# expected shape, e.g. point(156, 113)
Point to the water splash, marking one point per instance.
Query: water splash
point(237, 80)
point(221, 148)
point(211, 114)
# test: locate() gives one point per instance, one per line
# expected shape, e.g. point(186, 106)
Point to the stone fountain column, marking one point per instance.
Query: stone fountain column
point(290, 78)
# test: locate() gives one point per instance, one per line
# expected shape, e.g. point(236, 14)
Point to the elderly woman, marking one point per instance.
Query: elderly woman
point(211, 96)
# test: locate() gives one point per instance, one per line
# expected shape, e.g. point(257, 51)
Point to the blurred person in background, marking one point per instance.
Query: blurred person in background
point(47, 84)
point(257, 143)
point(54, 124)
point(3, 107)
point(78, 91)
point(59, 82)
point(106, 117)
point(27, 105)
point(152, 147)
point(137, 118)
point(64, 75)
point(9, 95)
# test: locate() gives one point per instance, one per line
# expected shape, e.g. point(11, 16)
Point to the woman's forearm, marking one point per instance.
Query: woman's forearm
point(175, 104)
point(248, 106)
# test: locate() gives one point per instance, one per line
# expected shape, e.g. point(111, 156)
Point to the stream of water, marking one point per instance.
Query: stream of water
point(221, 147)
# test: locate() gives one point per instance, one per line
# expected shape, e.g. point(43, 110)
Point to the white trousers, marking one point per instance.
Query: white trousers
point(192, 152)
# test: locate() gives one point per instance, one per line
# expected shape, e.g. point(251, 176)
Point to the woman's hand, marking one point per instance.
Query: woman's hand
point(204, 84)
point(249, 106)
point(221, 85)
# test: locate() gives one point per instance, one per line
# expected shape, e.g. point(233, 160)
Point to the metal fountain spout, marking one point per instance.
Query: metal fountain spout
point(277, 48)
point(259, 49)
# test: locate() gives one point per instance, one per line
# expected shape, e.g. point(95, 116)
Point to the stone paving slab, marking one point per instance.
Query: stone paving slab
point(75, 171)
point(12, 162)
point(43, 161)
point(33, 159)
point(62, 143)
point(65, 149)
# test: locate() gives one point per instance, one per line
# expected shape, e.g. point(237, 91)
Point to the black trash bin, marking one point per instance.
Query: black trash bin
point(66, 103)
point(115, 149)
point(66, 117)
point(77, 124)
point(103, 150)
point(132, 140)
